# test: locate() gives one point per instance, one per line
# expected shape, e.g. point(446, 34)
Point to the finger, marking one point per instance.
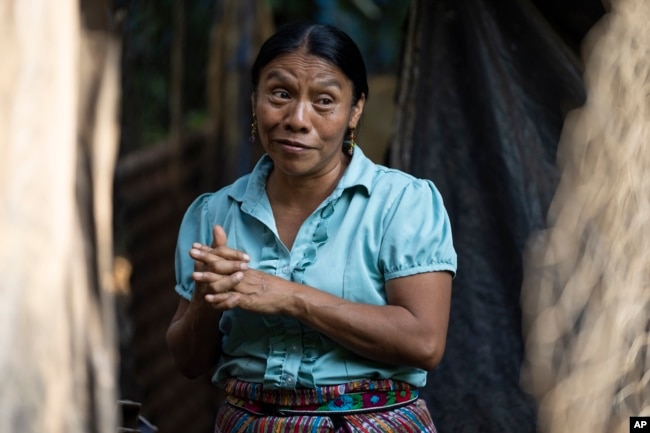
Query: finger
point(216, 263)
point(223, 301)
point(220, 242)
point(219, 238)
point(223, 252)
point(218, 283)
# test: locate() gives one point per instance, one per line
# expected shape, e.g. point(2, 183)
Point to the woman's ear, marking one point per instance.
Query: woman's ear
point(253, 99)
point(357, 111)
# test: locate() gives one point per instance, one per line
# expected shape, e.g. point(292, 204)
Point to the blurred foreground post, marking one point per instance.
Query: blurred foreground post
point(58, 138)
point(586, 297)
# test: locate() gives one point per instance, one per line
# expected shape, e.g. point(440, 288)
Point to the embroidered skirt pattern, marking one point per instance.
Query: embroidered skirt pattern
point(369, 406)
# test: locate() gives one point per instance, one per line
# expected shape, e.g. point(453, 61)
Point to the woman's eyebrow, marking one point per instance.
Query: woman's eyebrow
point(279, 75)
point(321, 82)
point(328, 82)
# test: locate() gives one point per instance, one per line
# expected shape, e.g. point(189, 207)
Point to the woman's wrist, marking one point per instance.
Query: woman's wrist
point(200, 309)
point(299, 299)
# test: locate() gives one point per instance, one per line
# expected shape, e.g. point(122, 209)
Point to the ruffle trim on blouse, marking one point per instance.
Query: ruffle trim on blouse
point(319, 238)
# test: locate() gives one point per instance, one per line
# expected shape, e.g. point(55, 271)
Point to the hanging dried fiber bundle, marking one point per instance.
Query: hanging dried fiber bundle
point(586, 293)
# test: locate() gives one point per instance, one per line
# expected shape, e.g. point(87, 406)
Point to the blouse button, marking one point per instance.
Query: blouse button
point(327, 211)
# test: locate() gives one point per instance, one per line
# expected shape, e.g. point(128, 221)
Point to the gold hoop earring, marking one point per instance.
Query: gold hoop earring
point(349, 143)
point(253, 129)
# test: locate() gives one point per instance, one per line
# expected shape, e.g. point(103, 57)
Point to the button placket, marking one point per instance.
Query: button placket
point(293, 355)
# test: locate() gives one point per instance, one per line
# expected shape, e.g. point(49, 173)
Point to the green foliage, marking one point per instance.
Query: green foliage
point(292, 10)
point(377, 26)
point(147, 34)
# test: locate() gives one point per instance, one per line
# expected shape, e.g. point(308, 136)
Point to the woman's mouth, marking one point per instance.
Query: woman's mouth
point(292, 146)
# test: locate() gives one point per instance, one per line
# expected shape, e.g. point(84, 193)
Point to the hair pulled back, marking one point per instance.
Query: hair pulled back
point(321, 40)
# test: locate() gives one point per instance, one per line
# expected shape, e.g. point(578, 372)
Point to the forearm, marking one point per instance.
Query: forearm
point(194, 339)
point(410, 330)
point(389, 333)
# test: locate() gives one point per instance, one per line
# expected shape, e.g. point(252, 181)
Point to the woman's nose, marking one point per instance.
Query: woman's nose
point(298, 116)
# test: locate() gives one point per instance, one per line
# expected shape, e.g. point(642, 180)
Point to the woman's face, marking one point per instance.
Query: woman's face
point(304, 107)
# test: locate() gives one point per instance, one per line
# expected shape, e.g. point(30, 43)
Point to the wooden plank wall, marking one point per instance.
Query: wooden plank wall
point(149, 207)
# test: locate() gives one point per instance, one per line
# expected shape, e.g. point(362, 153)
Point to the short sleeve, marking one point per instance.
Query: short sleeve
point(195, 227)
point(418, 235)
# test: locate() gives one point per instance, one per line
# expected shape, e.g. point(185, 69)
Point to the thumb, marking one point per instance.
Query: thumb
point(219, 238)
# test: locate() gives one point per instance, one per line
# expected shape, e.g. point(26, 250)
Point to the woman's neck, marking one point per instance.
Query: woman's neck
point(302, 193)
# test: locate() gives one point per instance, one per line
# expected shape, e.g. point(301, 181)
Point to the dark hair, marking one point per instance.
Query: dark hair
point(321, 40)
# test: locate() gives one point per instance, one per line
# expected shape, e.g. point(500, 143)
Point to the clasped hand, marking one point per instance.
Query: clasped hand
point(224, 280)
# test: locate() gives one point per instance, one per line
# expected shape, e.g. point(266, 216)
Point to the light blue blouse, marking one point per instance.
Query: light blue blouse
point(376, 225)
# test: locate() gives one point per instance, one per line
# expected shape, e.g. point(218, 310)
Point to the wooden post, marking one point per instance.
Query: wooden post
point(58, 138)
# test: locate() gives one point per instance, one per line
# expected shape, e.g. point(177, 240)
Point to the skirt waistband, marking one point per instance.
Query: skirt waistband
point(353, 397)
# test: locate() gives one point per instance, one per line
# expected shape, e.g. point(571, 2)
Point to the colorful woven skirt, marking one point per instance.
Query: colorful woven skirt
point(369, 406)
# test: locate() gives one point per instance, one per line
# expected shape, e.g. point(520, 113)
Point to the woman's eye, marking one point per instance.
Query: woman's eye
point(325, 101)
point(281, 94)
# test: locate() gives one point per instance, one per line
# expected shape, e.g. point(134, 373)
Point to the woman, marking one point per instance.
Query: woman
point(319, 284)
